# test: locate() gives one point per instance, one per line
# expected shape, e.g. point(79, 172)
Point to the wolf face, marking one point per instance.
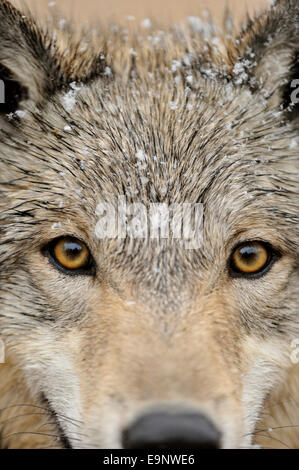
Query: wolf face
point(137, 341)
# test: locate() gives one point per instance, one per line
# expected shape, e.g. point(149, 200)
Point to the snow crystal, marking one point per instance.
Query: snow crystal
point(79, 191)
point(146, 23)
point(56, 225)
point(187, 59)
point(163, 190)
point(74, 86)
point(69, 99)
point(293, 144)
point(174, 105)
point(199, 26)
point(187, 91)
point(208, 72)
point(140, 155)
point(240, 71)
point(176, 64)
point(20, 113)
point(133, 52)
point(215, 41)
point(268, 41)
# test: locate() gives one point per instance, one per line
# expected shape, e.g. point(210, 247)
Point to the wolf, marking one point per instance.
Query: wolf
point(138, 342)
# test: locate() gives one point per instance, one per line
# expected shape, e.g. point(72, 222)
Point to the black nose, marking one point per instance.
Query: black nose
point(165, 430)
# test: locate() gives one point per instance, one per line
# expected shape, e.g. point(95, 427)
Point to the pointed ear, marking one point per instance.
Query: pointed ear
point(28, 70)
point(268, 56)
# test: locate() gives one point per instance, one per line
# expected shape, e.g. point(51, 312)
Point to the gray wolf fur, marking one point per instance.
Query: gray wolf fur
point(155, 326)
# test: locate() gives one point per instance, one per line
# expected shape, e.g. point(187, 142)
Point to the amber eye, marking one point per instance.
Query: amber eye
point(70, 254)
point(251, 258)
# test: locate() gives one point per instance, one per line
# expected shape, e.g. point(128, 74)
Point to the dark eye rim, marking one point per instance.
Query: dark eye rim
point(273, 256)
point(48, 250)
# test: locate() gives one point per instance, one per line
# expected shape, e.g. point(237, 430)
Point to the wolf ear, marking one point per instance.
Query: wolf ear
point(268, 51)
point(28, 70)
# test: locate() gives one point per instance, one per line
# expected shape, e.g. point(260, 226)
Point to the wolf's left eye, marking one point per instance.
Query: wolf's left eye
point(70, 254)
point(251, 259)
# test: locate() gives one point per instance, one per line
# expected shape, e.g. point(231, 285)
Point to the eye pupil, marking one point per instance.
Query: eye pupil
point(72, 249)
point(249, 253)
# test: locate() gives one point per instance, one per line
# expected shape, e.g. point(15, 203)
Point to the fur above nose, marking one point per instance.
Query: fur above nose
point(161, 430)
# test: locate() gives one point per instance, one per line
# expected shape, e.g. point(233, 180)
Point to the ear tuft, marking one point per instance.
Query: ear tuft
point(28, 65)
point(268, 52)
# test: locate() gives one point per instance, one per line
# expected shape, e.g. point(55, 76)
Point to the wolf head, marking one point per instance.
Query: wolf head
point(122, 338)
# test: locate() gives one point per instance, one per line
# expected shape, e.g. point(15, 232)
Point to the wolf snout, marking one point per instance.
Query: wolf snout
point(161, 430)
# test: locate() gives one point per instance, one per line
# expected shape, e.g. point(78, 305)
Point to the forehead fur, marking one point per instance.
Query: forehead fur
point(161, 116)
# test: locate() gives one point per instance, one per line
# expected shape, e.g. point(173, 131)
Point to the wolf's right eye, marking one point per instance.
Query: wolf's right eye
point(70, 255)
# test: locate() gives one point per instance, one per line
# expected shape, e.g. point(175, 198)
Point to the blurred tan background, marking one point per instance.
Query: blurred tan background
point(162, 10)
